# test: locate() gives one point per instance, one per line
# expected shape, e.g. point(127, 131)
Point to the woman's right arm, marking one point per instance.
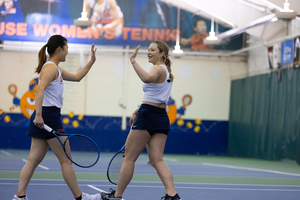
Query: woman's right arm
point(146, 77)
point(47, 75)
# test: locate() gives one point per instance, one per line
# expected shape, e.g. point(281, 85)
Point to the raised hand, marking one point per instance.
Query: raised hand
point(93, 51)
point(133, 55)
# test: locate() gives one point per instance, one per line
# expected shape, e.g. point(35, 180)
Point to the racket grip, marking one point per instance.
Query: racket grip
point(47, 128)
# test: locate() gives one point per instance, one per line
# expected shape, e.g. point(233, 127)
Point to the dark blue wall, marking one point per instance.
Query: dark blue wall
point(107, 132)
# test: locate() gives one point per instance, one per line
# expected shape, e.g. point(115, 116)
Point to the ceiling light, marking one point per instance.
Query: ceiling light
point(177, 49)
point(286, 13)
point(83, 21)
point(212, 39)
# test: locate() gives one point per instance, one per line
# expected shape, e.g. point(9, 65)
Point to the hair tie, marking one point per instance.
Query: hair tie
point(168, 57)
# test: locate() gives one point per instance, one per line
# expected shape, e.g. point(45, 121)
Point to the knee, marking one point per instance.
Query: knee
point(65, 162)
point(155, 163)
point(34, 161)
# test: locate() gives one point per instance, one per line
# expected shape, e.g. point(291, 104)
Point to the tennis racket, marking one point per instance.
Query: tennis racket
point(186, 100)
point(114, 166)
point(80, 149)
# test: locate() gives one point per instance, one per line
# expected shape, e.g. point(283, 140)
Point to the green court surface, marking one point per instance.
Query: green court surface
point(288, 171)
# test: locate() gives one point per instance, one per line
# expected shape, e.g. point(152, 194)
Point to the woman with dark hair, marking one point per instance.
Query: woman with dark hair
point(48, 103)
point(150, 123)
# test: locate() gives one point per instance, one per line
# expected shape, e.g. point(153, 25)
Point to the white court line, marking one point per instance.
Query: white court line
point(95, 188)
point(220, 188)
point(41, 166)
point(6, 153)
point(251, 169)
point(179, 187)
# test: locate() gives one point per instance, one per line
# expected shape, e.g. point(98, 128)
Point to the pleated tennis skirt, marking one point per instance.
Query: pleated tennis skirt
point(51, 116)
point(152, 119)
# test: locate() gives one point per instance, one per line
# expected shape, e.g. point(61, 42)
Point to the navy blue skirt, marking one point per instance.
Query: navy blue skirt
point(51, 116)
point(152, 119)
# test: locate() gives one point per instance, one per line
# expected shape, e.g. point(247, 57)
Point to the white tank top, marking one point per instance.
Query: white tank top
point(53, 92)
point(158, 92)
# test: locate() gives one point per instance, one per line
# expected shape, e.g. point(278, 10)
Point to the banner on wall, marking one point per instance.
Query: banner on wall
point(287, 49)
point(115, 22)
point(296, 54)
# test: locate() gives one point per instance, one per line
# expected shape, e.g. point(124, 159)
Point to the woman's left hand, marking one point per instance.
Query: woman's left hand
point(93, 51)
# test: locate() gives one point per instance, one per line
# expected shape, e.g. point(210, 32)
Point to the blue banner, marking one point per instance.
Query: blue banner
point(114, 22)
point(287, 49)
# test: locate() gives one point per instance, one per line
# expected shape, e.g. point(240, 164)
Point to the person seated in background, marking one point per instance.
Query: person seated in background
point(196, 40)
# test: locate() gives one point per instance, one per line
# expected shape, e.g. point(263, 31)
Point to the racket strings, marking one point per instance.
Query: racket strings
point(82, 150)
point(115, 167)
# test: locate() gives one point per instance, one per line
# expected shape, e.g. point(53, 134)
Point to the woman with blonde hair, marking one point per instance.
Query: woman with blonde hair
point(150, 123)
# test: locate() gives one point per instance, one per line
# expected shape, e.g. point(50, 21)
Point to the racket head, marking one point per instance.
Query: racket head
point(114, 167)
point(81, 150)
point(186, 100)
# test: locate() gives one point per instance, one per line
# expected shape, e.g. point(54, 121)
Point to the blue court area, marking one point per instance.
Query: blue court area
point(196, 177)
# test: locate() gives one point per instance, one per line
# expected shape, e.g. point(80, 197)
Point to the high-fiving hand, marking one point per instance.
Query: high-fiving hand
point(93, 51)
point(133, 55)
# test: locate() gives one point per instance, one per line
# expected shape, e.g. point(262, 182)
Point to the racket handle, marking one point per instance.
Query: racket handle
point(47, 128)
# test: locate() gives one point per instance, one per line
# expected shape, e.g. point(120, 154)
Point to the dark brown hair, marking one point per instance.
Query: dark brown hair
point(53, 43)
point(163, 47)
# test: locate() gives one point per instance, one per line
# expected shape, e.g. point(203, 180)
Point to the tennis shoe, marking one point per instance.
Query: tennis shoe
point(167, 197)
point(17, 198)
point(110, 196)
point(86, 196)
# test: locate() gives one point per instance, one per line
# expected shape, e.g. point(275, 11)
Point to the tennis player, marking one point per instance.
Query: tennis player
point(48, 103)
point(150, 123)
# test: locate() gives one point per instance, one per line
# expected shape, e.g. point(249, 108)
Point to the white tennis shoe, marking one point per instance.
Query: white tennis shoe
point(17, 198)
point(86, 196)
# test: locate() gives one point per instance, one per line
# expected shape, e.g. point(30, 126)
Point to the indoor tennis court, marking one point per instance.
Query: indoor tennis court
point(232, 78)
point(196, 177)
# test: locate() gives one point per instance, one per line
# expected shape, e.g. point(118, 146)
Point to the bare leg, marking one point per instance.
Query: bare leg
point(66, 166)
point(135, 143)
point(38, 150)
point(156, 147)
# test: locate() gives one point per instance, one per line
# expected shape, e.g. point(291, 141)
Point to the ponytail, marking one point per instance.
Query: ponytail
point(53, 43)
point(168, 64)
point(42, 59)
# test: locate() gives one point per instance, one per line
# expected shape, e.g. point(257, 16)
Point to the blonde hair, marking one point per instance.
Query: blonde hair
point(163, 47)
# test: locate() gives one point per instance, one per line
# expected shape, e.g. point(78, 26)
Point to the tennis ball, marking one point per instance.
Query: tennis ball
point(66, 120)
point(180, 122)
point(1, 111)
point(71, 114)
point(197, 129)
point(189, 125)
point(7, 118)
point(75, 123)
point(198, 121)
point(80, 117)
